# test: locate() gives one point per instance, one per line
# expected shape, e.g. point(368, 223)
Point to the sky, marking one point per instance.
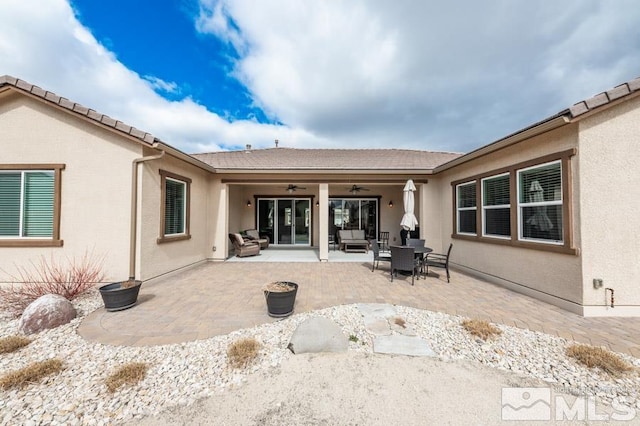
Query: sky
point(209, 75)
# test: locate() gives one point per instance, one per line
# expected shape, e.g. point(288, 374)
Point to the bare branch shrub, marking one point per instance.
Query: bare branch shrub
point(50, 276)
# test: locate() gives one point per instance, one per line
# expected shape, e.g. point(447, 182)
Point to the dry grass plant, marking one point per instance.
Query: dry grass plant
point(13, 343)
point(481, 328)
point(278, 287)
point(50, 276)
point(130, 374)
point(32, 373)
point(400, 322)
point(242, 352)
point(592, 356)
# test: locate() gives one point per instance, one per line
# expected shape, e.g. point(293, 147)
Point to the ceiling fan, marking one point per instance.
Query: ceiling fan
point(355, 189)
point(293, 188)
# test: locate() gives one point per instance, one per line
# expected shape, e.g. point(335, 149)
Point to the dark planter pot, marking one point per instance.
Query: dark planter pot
point(116, 298)
point(280, 304)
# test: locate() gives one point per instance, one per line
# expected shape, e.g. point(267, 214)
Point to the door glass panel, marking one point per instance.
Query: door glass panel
point(368, 218)
point(351, 214)
point(285, 221)
point(266, 214)
point(302, 222)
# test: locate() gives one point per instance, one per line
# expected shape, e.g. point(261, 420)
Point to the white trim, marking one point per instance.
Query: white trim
point(494, 207)
point(184, 207)
point(460, 209)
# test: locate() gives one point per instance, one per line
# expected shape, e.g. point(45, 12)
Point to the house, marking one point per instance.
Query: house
point(546, 211)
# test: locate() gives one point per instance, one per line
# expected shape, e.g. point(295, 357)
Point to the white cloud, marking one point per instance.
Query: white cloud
point(50, 48)
point(445, 75)
point(363, 73)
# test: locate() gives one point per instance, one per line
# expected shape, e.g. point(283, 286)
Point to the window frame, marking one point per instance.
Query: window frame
point(166, 238)
point(459, 209)
point(566, 247)
point(494, 207)
point(521, 205)
point(54, 240)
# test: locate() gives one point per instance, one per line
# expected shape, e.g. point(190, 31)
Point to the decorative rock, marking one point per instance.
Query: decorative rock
point(402, 345)
point(318, 334)
point(48, 311)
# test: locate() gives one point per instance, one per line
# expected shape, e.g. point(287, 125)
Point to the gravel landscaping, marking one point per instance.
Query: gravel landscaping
point(181, 374)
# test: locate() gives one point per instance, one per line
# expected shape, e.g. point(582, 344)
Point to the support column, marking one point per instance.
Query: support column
point(323, 221)
point(219, 217)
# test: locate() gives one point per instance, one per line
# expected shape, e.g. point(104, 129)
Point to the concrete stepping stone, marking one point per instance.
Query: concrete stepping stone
point(318, 334)
point(377, 310)
point(402, 345)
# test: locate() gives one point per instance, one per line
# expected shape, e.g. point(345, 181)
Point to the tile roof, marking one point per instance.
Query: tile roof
point(326, 159)
point(7, 80)
point(604, 98)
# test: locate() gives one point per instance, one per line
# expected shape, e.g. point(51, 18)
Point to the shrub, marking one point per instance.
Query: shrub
point(50, 276)
point(131, 374)
point(592, 356)
point(481, 328)
point(30, 374)
point(12, 343)
point(242, 352)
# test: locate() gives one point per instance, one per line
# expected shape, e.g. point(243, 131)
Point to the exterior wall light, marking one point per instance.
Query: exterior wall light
point(390, 204)
point(248, 203)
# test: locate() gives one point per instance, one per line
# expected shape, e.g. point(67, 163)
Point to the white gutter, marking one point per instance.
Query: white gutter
point(134, 210)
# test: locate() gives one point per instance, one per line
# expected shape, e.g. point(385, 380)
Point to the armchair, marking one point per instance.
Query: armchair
point(244, 248)
point(263, 240)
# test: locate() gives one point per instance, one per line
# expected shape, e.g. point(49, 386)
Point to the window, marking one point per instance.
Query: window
point(496, 211)
point(174, 216)
point(466, 208)
point(30, 205)
point(540, 203)
point(525, 205)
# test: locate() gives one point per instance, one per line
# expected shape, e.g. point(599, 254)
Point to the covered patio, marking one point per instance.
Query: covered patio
point(216, 298)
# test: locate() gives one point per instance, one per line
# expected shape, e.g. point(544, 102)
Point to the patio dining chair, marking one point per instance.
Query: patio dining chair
point(403, 259)
point(377, 256)
point(438, 260)
point(415, 242)
point(384, 240)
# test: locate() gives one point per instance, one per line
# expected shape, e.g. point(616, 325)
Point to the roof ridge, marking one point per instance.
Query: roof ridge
point(77, 108)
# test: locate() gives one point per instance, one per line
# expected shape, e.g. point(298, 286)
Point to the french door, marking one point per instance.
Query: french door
point(287, 221)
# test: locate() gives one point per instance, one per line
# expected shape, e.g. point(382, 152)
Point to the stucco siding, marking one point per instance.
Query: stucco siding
point(160, 258)
point(545, 274)
point(95, 182)
point(609, 149)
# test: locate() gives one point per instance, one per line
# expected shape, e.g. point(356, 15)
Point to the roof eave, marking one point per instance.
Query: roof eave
point(557, 121)
point(325, 171)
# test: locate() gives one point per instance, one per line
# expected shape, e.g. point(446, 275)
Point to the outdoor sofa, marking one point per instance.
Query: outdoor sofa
point(352, 239)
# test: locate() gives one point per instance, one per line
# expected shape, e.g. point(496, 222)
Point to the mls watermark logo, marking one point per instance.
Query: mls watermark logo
point(526, 404)
point(536, 404)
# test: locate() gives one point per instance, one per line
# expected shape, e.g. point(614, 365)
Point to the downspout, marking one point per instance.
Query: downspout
point(134, 210)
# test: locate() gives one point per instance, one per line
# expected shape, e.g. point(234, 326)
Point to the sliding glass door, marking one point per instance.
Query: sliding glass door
point(287, 221)
point(354, 213)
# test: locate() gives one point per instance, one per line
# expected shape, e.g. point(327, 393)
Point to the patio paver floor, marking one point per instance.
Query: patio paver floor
point(217, 298)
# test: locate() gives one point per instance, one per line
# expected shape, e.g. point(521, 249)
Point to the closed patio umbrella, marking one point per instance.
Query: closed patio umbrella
point(409, 220)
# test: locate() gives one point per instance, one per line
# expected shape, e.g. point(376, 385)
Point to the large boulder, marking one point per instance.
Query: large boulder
point(318, 334)
point(48, 311)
